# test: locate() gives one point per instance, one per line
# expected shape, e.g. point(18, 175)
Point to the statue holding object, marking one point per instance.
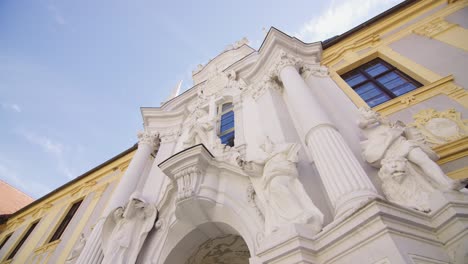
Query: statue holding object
point(125, 230)
point(285, 197)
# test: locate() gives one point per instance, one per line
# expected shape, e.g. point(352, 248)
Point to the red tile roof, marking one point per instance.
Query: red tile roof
point(12, 199)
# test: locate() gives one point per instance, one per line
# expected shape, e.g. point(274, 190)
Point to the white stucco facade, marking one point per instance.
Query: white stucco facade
point(226, 202)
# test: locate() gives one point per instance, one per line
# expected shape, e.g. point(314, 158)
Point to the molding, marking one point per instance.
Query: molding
point(434, 27)
point(459, 174)
point(444, 86)
point(395, 27)
point(452, 151)
point(83, 189)
point(376, 219)
point(47, 247)
point(365, 42)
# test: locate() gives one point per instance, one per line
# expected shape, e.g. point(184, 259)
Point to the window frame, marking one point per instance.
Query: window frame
point(220, 115)
point(373, 79)
point(65, 221)
point(20, 242)
point(5, 240)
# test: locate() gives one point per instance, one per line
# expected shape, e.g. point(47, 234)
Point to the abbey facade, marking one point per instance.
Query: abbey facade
point(350, 150)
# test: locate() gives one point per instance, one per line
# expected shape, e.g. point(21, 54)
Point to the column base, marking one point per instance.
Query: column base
point(290, 244)
point(351, 202)
point(378, 233)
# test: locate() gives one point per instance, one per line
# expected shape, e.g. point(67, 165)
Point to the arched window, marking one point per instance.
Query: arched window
point(226, 127)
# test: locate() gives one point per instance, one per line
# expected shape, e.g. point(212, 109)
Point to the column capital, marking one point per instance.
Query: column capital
point(268, 81)
point(148, 138)
point(283, 59)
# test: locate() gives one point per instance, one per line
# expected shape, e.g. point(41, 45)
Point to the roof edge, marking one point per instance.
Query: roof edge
point(334, 40)
point(82, 176)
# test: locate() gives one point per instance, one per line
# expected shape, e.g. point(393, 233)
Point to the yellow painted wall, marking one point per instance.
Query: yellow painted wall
point(426, 19)
point(52, 209)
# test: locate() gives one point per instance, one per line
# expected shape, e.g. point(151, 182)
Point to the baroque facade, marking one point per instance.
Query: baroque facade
point(354, 149)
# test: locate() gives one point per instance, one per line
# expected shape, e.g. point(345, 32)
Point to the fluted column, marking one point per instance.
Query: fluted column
point(345, 181)
point(148, 142)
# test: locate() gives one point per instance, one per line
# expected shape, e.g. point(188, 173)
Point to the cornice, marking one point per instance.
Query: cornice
point(180, 100)
point(155, 118)
point(275, 44)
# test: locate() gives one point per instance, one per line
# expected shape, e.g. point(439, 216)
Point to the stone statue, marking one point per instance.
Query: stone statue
point(199, 128)
point(403, 185)
point(76, 250)
point(125, 230)
point(386, 139)
point(286, 200)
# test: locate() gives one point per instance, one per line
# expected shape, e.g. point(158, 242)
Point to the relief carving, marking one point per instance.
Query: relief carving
point(440, 127)
point(434, 27)
point(228, 249)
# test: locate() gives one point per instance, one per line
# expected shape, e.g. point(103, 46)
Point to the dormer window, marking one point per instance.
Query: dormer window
point(226, 127)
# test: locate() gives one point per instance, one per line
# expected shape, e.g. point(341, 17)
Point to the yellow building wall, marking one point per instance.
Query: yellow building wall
point(423, 18)
point(53, 209)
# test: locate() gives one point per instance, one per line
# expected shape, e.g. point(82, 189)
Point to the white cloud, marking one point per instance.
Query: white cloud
point(51, 146)
point(56, 14)
point(48, 145)
point(34, 188)
point(11, 107)
point(340, 16)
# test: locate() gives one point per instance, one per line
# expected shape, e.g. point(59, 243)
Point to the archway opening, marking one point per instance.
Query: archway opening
point(210, 243)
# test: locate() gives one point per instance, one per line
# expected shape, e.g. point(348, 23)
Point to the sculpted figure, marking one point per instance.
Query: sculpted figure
point(199, 128)
point(76, 250)
point(404, 186)
point(386, 139)
point(286, 200)
point(125, 230)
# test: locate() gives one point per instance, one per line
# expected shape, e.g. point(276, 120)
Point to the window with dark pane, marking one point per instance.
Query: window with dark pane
point(66, 220)
point(23, 239)
point(226, 127)
point(5, 240)
point(377, 82)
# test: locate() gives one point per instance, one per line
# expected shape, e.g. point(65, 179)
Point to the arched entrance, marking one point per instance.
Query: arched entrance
point(210, 243)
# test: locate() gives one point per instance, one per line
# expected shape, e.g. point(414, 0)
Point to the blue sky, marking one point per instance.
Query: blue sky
point(73, 74)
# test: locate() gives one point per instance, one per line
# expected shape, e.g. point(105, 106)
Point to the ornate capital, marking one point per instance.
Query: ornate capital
point(284, 59)
point(269, 81)
point(149, 138)
point(314, 70)
point(434, 27)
